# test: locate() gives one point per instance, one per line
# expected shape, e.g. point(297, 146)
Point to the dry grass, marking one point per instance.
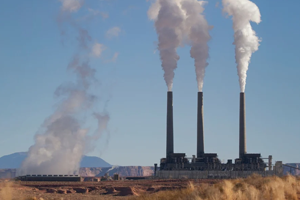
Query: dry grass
point(11, 190)
point(6, 191)
point(252, 188)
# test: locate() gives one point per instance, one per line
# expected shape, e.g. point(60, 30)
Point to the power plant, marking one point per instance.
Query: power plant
point(208, 165)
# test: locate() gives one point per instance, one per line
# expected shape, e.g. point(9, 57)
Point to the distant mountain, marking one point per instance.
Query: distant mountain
point(7, 173)
point(15, 160)
point(93, 161)
point(12, 161)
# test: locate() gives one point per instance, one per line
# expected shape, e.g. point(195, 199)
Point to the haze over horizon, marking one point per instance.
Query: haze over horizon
point(36, 52)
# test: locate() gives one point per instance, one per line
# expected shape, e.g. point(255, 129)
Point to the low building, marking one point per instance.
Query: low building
point(59, 178)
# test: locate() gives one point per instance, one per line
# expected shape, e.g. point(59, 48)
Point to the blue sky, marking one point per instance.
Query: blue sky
point(34, 58)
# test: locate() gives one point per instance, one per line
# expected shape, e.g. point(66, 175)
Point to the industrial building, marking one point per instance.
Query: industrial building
point(60, 178)
point(208, 165)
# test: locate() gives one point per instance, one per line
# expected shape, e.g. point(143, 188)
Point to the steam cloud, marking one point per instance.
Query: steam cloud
point(198, 34)
point(169, 24)
point(61, 141)
point(245, 40)
point(177, 21)
point(71, 5)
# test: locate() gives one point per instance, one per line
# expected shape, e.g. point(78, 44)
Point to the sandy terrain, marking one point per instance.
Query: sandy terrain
point(254, 187)
point(89, 190)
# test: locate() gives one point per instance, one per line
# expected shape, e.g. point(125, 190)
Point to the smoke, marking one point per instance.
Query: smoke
point(245, 40)
point(177, 22)
point(169, 24)
point(84, 38)
point(98, 49)
point(113, 32)
point(198, 34)
point(62, 141)
point(71, 5)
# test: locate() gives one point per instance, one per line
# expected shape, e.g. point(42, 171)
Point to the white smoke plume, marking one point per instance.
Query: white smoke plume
point(71, 5)
point(98, 49)
point(197, 29)
point(245, 40)
point(176, 22)
point(113, 32)
point(169, 24)
point(62, 141)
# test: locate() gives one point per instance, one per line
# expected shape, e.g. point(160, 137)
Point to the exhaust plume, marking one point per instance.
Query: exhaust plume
point(177, 21)
point(71, 5)
point(198, 35)
point(245, 40)
point(169, 21)
point(62, 140)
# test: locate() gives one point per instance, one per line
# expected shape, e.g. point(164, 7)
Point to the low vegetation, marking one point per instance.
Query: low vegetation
point(6, 191)
point(252, 188)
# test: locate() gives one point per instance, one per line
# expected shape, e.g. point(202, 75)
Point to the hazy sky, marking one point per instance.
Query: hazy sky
point(34, 56)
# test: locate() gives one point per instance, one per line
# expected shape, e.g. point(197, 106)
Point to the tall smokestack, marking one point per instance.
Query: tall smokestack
point(170, 140)
point(200, 132)
point(242, 125)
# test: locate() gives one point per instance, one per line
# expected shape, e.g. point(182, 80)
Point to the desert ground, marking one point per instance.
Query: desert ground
point(90, 190)
point(254, 187)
